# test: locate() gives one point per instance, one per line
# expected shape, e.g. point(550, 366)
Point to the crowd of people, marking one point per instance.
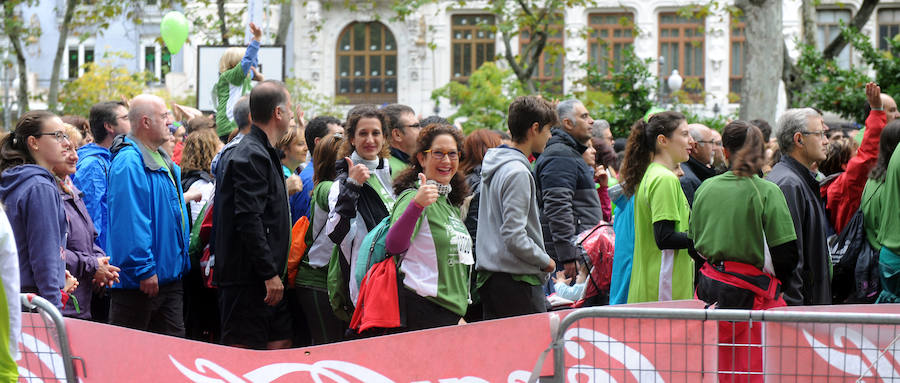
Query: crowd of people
point(259, 229)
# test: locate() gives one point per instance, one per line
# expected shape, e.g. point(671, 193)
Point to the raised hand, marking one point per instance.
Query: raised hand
point(293, 184)
point(358, 172)
point(873, 94)
point(257, 33)
point(427, 193)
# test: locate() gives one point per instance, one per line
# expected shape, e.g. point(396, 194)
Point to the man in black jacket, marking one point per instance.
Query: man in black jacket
point(801, 137)
point(698, 166)
point(566, 183)
point(253, 228)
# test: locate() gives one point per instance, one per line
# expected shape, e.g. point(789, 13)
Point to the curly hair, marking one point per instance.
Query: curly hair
point(358, 113)
point(475, 146)
point(407, 179)
point(642, 145)
point(838, 154)
point(200, 148)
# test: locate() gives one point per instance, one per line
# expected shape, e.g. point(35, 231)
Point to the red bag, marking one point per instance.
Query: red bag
point(378, 303)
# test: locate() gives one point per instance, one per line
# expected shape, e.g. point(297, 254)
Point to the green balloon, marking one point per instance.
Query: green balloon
point(174, 29)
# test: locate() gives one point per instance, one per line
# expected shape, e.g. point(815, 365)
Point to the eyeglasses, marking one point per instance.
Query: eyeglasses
point(820, 133)
point(439, 155)
point(716, 143)
point(59, 135)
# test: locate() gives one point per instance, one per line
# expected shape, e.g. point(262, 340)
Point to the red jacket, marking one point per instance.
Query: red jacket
point(842, 197)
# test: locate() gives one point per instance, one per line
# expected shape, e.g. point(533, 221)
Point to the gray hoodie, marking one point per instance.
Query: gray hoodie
point(509, 238)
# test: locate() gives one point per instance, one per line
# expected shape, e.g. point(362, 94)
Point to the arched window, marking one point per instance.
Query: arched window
point(367, 64)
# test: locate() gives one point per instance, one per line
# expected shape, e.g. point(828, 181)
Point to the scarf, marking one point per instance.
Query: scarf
point(371, 164)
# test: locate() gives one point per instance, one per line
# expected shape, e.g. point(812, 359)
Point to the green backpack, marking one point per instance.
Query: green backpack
point(339, 286)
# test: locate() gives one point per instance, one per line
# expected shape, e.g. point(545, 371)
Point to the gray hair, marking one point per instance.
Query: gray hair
point(241, 112)
point(598, 128)
point(791, 122)
point(696, 131)
point(566, 109)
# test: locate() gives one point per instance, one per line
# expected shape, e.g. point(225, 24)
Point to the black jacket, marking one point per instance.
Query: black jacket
point(352, 199)
point(569, 201)
point(811, 280)
point(695, 172)
point(251, 216)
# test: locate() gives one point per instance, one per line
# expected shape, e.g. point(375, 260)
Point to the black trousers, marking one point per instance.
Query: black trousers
point(324, 326)
point(162, 314)
point(504, 297)
point(418, 313)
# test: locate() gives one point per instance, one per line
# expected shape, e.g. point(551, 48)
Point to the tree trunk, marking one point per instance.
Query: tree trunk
point(223, 27)
point(14, 34)
point(859, 20)
point(284, 22)
point(763, 65)
point(53, 93)
point(808, 21)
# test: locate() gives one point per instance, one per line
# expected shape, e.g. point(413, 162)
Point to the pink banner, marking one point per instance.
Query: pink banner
point(597, 349)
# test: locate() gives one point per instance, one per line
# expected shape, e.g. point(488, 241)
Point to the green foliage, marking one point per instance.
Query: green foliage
point(831, 88)
point(885, 63)
point(102, 81)
point(205, 18)
point(314, 104)
point(484, 101)
point(716, 122)
point(620, 95)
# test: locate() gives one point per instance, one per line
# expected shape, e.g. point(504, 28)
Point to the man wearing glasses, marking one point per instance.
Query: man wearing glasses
point(108, 119)
point(801, 137)
point(698, 167)
point(403, 131)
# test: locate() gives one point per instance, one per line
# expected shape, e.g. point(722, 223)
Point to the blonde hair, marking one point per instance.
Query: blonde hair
point(75, 137)
point(293, 133)
point(230, 58)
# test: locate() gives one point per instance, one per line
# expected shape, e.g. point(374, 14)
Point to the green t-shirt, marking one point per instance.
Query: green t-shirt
point(232, 85)
point(724, 230)
point(442, 247)
point(307, 275)
point(482, 276)
point(659, 275)
point(386, 198)
point(397, 166)
point(872, 208)
point(889, 231)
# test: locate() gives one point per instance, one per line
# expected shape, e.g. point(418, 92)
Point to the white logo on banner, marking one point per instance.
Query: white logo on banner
point(636, 363)
point(853, 364)
point(51, 360)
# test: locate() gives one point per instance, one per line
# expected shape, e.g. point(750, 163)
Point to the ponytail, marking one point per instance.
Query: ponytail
point(14, 147)
point(745, 142)
point(642, 145)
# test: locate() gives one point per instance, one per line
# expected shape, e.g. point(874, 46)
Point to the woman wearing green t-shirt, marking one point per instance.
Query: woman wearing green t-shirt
point(738, 220)
point(881, 201)
point(662, 269)
point(426, 229)
point(312, 273)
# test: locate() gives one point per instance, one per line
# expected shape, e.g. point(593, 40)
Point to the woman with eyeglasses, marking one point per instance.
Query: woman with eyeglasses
point(28, 189)
point(433, 244)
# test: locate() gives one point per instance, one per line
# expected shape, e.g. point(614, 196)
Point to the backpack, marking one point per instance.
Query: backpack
point(198, 247)
point(855, 278)
point(298, 248)
point(371, 250)
point(338, 284)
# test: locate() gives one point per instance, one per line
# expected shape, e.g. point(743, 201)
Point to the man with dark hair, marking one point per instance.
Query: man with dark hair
point(147, 210)
point(512, 263)
point(316, 129)
point(252, 228)
point(402, 131)
point(764, 127)
point(566, 184)
point(108, 120)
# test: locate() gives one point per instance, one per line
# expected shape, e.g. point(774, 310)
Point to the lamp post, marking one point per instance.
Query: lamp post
point(674, 82)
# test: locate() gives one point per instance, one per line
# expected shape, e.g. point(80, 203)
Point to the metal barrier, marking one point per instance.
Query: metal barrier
point(42, 362)
point(616, 343)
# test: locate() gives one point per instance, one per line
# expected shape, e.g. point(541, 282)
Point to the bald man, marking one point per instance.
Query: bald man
point(698, 166)
point(148, 225)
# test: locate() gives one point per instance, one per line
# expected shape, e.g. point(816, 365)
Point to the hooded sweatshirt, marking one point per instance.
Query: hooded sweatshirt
point(509, 238)
point(38, 221)
point(91, 178)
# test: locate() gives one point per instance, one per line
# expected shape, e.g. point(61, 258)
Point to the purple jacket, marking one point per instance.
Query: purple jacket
point(39, 224)
point(81, 251)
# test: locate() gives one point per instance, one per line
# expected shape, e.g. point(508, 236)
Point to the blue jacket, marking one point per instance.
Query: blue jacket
point(300, 201)
point(91, 178)
point(38, 221)
point(148, 211)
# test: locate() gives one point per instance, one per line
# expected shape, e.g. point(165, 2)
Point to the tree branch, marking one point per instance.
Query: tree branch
point(53, 93)
point(223, 28)
point(284, 22)
point(859, 20)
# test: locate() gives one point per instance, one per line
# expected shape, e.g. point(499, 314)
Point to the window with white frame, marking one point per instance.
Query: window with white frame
point(157, 61)
point(828, 26)
point(888, 26)
point(77, 56)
